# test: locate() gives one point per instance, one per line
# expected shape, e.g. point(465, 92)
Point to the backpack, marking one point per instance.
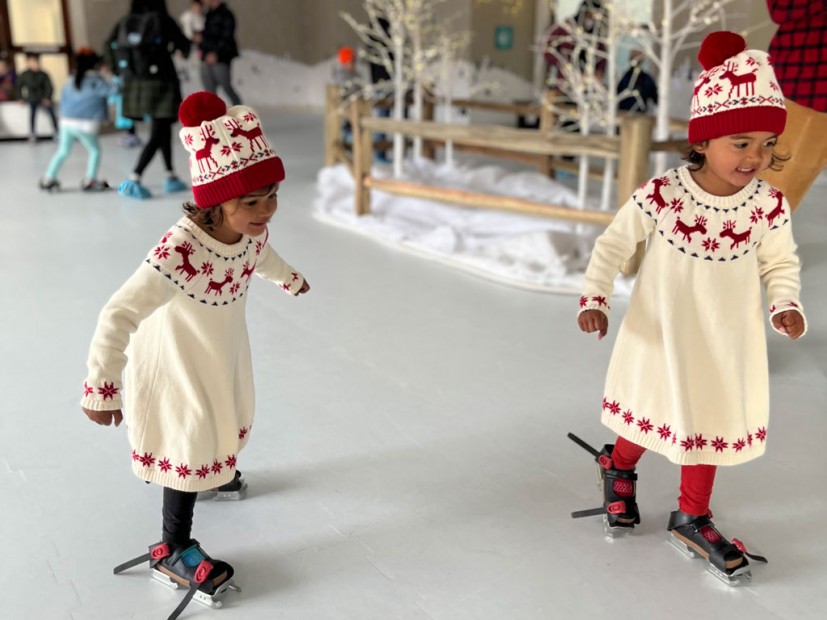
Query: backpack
point(139, 45)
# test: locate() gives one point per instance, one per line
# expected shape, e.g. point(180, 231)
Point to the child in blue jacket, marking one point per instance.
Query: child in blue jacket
point(83, 105)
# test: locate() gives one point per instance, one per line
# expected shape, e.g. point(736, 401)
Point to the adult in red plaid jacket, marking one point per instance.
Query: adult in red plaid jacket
point(799, 54)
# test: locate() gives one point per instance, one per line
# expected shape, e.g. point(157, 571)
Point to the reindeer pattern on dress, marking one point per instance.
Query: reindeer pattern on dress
point(706, 231)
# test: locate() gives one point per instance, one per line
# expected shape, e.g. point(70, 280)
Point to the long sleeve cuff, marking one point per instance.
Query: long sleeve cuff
point(782, 306)
point(101, 395)
point(595, 302)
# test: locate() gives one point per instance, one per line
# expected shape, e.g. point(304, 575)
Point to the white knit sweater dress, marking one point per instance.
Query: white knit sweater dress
point(688, 376)
point(187, 391)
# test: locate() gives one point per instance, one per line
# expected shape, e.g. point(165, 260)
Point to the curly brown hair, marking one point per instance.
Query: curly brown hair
point(212, 217)
point(696, 160)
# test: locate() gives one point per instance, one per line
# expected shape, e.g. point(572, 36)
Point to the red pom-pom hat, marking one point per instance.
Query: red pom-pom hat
point(736, 93)
point(229, 155)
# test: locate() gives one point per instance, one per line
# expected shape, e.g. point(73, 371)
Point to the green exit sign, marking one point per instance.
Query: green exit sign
point(503, 37)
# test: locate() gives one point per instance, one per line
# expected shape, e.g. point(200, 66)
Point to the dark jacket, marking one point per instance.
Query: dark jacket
point(34, 86)
point(219, 34)
point(160, 95)
point(637, 80)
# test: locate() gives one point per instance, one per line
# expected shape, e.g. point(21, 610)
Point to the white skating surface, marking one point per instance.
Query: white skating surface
point(409, 458)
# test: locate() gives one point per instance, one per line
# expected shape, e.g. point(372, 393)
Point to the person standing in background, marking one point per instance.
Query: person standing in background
point(34, 86)
point(218, 49)
point(192, 20)
point(8, 78)
point(799, 55)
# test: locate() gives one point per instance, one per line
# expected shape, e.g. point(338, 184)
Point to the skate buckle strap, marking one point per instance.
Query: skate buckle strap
point(605, 461)
point(743, 549)
point(156, 554)
point(583, 445)
point(203, 571)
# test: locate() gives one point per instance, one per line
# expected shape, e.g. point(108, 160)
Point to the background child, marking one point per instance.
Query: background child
point(34, 86)
point(639, 86)
point(344, 76)
point(83, 105)
point(8, 78)
point(189, 386)
point(688, 376)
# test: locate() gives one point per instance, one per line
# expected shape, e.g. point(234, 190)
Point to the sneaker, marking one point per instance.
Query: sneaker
point(133, 189)
point(174, 184)
point(94, 185)
point(130, 140)
point(49, 185)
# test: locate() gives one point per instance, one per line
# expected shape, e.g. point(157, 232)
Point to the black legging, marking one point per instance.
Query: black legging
point(177, 512)
point(160, 137)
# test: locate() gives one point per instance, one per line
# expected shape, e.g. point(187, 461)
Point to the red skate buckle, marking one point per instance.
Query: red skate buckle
point(203, 571)
point(616, 508)
point(159, 552)
point(605, 461)
point(739, 545)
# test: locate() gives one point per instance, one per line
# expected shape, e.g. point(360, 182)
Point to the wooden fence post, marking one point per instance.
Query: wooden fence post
point(428, 147)
point(332, 124)
point(548, 120)
point(362, 155)
point(635, 146)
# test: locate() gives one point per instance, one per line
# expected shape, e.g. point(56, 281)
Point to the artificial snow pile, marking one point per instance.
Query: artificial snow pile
point(536, 253)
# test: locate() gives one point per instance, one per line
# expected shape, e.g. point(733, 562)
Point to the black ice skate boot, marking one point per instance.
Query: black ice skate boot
point(187, 566)
point(234, 490)
point(696, 536)
point(619, 510)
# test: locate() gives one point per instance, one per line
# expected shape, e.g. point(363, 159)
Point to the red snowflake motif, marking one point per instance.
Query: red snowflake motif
point(761, 434)
point(207, 268)
point(87, 390)
point(203, 471)
point(188, 139)
point(164, 464)
point(234, 288)
point(773, 86)
point(165, 238)
point(249, 117)
point(700, 442)
point(713, 90)
point(295, 276)
point(135, 456)
point(147, 460)
point(235, 147)
point(772, 308)
point(605, 403)
point(757, 215)
point(749, 439)
point(645, 425)
point(243, 432)
point(676, 205)
point(710, 244)
point(688, 443)
point(161, 252)
point(751, 62)
point(285, 286)
point(259, 245)
point(216, 466)
point(614, 407)
point(183, 471)
point(719, 444)
point(108, 391)
point(583, 301)
point(739, 445)
point(230, 462)
point(628, 418)
point(664, 431)
point(674, 438)
point(600, 300)
point(793, 304)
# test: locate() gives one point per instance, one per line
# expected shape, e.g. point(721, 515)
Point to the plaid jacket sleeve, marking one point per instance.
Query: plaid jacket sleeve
point(799, 50)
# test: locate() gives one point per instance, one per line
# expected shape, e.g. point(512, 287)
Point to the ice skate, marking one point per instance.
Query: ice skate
point(234, 490)
point(187, 566)
point(696, 536)
point(619, 510)
point(49, 185)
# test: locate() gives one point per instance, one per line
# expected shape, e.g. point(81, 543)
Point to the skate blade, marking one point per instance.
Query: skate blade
point(213, 601)
point(224, 496)
point(616, 531)
point(738, 577)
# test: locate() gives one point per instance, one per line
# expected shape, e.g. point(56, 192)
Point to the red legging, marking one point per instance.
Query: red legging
point(696, 480)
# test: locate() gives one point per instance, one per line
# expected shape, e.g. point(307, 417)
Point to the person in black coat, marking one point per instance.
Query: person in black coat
point(151, 88)
point(639, 86)
point(218, 49)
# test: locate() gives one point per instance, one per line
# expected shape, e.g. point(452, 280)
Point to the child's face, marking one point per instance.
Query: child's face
point(33, 64)
point(733, 161)
point(250, 214)
point(4, 66)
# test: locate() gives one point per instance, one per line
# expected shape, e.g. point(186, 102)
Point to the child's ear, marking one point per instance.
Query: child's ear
point(700, 147)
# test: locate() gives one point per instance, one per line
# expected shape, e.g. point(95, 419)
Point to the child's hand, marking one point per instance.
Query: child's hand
point(789, 322)
point(104, 418)
point(593, 321)
point(305, 287)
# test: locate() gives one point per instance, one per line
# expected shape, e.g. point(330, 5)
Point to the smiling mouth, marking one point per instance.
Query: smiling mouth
point(745, 170)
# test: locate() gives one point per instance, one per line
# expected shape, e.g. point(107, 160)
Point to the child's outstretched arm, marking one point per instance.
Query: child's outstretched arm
point(779, 269)
point(616, 245)
point(144, 292)
point(272, 267)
